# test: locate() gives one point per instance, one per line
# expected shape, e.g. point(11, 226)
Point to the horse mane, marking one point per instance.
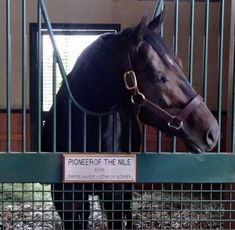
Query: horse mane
point(87, 56)
point(92, 73)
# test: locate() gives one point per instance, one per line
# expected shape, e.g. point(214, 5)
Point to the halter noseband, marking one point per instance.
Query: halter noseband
point(138, 99)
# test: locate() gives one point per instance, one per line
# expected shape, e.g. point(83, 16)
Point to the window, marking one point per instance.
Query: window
point(70, 47)
point(71, 39)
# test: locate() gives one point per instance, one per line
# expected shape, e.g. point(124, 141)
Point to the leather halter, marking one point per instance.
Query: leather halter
point(138, 99)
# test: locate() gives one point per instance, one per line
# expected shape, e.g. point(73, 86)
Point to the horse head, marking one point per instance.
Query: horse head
point(136, 69)
point(159, 91)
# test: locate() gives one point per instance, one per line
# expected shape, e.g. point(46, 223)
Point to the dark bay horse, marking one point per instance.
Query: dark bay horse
point(135, 75)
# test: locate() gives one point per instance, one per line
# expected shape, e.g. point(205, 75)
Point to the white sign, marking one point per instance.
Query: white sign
point(99, 168)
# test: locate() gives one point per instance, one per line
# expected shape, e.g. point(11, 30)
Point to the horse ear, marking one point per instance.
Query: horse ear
point(139, 30)
point(155, 24)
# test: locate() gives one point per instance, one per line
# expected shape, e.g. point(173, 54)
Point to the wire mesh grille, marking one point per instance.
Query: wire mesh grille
point(153, 206)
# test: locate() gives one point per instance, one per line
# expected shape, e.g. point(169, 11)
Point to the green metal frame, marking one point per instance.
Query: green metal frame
point(151, 168)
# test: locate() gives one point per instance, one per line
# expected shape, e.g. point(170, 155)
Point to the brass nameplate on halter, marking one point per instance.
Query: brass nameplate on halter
point(96, 167)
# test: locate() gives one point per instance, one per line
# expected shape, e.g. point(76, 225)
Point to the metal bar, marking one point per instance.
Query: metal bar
point(114, 132)
point(233, 108)
point(24, 69)
point(144, 138)
point(162, 26)
point(54, 100)
point(230, 82)
point(191, 43)
point(50, 31)
point(220, 68)
point(191, 206)
point(176, 27)
point(159, 146)
point(84, 132)
point(221, 206)
point(69, 125)
point(33, 203)
point(175, 47)
point(231, 204)
point(60, 63)
point(100, 133)
point(173, 144)
point(39, 76)
point(157, 8)
point(205, 49)
point(130, 135)
point(8, 72)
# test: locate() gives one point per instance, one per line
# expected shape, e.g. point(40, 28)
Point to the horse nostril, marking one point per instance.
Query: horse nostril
point(211, 137)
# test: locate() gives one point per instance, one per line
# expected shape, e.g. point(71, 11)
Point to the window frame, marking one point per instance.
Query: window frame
point(58, 29)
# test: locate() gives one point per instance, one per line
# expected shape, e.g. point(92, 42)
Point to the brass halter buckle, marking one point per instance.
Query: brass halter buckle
point(138, 99)
point(130, 80)
point(175, 124)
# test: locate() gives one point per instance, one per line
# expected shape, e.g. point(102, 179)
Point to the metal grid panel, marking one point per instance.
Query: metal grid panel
point(153, 206)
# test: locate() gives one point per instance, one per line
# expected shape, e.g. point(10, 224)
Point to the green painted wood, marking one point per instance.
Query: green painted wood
point(151, 168)
point(186, 168)
point(30, 167)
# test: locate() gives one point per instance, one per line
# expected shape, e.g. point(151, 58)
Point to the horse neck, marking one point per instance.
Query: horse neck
point(120, 133)
point(98, 81)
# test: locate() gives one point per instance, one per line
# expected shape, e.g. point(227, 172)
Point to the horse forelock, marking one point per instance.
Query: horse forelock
point(165, 53)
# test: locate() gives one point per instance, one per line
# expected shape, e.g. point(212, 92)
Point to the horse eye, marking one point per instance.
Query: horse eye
point(159, 78)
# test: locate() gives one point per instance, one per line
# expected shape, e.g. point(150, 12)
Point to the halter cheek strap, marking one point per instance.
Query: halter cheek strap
point(174, 122)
